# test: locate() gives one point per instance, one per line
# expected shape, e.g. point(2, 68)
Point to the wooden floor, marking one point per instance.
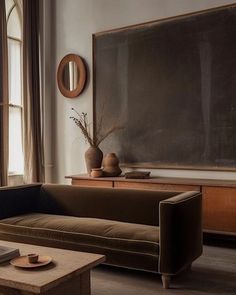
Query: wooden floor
point(213, 273)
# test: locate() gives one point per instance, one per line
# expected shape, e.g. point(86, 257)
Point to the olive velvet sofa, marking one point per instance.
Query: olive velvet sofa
point(158, 231)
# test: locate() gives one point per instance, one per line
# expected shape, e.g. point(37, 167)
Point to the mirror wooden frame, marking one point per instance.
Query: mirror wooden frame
point(82, 75)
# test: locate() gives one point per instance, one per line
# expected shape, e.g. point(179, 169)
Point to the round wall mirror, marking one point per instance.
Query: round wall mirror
point(71, 75)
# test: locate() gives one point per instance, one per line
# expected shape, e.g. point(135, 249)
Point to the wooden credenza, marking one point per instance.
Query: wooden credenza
point(219, 197)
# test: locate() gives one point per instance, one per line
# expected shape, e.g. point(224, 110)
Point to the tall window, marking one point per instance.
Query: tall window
point(14, 35)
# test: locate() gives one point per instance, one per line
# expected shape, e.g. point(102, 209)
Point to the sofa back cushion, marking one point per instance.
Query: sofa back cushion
point(134, 206)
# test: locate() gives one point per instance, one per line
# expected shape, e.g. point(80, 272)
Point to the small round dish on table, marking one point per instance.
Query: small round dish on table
point(23, 261)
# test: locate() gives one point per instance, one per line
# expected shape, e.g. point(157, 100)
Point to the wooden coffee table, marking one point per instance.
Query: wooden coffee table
point(68, 274)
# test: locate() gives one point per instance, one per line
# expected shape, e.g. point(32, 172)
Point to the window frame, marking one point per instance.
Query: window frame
point(17, 5)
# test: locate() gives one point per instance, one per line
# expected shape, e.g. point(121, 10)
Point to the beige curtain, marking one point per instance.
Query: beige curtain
point(33, 143)
point(3, 97)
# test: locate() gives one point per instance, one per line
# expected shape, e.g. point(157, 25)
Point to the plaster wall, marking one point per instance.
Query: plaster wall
point(70, 25)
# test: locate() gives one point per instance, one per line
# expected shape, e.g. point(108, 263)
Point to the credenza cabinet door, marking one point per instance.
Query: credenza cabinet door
point(219, 209)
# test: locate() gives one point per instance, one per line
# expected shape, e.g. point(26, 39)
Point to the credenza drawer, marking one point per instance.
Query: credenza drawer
point(95, 183)
point(156, 186)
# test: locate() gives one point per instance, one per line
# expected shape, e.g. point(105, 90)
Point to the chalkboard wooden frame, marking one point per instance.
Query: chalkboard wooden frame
point(224, 164)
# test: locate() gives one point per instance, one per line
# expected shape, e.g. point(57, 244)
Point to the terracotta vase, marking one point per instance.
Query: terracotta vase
point(111, 165)
point(93, 158)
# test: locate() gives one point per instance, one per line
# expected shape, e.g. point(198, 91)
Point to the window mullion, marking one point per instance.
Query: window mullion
point(10, 11)
point(14, 38)
point(15, 105)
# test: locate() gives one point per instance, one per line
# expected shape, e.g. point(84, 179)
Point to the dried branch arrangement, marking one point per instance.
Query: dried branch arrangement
point(97, 137)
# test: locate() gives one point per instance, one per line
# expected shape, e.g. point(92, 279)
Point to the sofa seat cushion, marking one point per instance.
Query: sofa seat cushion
point(95, 232)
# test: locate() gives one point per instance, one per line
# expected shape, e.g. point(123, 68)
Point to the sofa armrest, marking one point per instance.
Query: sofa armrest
point(180, 231)
point(18, 200)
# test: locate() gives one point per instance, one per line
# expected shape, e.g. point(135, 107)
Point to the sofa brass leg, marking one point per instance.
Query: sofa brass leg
point(165, 281)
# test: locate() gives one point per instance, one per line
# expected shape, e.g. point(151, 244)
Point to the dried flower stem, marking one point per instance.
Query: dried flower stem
point(96, 139)
point(108, 132)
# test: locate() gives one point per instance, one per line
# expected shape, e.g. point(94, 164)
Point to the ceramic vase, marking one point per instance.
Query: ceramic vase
point(93, 158)
point(111, 165)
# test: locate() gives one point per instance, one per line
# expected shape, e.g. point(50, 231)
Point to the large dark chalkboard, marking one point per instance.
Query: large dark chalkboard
point(172, 84)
